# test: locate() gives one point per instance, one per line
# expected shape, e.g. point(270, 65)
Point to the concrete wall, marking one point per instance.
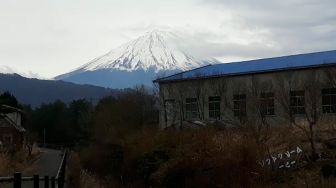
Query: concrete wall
point(16, 138)
point(280, 83)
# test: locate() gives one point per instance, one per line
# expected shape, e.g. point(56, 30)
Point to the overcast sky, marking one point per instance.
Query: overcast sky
point(51, 37)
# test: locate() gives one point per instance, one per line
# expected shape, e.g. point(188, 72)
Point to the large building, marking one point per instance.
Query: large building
point(273, 91)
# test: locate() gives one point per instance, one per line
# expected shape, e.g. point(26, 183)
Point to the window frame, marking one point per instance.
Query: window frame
point(191, 109)
point(214, 107)
point(239, 105)
point(297, 102)
point(8, 139)
point(267, 105)
point(328, 96)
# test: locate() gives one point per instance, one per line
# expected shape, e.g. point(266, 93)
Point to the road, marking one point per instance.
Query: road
point(46, 165)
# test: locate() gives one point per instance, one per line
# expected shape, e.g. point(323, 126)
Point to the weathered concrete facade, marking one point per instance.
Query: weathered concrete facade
point(275, 97)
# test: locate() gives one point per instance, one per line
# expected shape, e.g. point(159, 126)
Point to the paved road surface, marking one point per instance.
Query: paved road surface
point(47, 165)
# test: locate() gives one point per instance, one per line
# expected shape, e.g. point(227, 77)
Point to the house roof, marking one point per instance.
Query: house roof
point(5, 120)
point(292, 62)
point(9, 108)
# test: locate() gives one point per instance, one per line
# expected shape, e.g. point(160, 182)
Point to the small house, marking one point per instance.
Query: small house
point(11, 130)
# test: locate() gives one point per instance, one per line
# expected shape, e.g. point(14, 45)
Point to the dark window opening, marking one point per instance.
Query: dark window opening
point(8, 139)
point(329, 100)
point(267, 104)
point(297, 102)
point(239, 105)
point(191, 108)
point(214, 107)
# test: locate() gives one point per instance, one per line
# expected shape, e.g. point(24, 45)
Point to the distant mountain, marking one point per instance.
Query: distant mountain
point(35, 92)
point(4, 69)
point(137, 62)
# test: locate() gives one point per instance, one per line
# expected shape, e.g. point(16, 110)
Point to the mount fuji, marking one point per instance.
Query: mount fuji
point(157, 53)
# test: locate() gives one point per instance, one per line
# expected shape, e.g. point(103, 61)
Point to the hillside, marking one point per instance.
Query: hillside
point(36, 92)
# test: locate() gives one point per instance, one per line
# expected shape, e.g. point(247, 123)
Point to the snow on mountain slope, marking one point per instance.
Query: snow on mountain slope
point(153, 50)
point(151, 54)
point(4, 69)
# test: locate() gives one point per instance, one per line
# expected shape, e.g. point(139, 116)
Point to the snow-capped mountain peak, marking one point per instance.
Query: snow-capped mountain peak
point(156, 50)
point(137, 62)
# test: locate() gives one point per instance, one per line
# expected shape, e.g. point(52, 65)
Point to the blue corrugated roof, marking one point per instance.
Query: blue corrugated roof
point(258, 66)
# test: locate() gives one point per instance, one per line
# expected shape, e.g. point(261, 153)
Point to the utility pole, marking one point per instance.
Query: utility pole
point(44, 137)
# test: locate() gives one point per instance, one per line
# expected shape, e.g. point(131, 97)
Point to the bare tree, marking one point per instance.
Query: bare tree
point(257, 121)
point(180, 90)
point(29, 141)
point(163, 94)
point(330, 78)
point(221, 87)
point(330, 73)
point(200, 90)
point(312, 115)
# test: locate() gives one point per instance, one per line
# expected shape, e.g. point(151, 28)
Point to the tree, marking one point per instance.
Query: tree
point(180, 90)
point(311, 115)
point(114, 117)
point(8, 99)
point(80, 120)
point(220, 86)
point(257, 121)
point(200, 89)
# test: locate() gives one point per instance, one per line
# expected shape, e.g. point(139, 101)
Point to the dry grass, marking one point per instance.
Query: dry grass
point(206, 158)
point(16, 161)
point(12, 162)
point(77, 177)
point(89, 181)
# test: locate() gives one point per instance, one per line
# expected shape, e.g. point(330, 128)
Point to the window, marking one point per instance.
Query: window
point(214, 107)
point(239, 105)
point(191, 108)
point(7, 139)
point(329, 100)
point(297, 102)
point(267, 104)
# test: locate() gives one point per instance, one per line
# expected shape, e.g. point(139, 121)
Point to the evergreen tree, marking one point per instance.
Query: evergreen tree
point(8, 99)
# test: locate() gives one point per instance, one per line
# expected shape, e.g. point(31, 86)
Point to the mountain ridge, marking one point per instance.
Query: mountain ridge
point(35, 92)
point(4, 69)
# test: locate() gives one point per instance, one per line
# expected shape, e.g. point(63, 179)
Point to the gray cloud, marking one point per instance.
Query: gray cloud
point(52, 37)
point(293, 26)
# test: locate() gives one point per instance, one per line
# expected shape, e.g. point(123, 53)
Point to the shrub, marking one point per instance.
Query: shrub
point(149, 163)
point(212, 158)
point(103, 159)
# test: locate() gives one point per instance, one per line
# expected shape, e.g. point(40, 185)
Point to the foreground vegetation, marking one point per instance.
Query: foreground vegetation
point(116, 143)
point(208, 157)
point(15, 161)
